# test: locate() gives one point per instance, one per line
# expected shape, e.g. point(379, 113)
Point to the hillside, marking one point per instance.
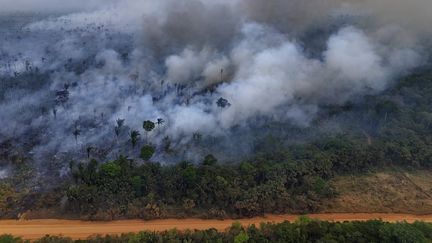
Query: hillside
point(214, 109)
point(389, 191)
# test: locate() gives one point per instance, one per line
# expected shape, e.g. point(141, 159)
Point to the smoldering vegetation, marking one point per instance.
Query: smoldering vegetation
point(220, 77)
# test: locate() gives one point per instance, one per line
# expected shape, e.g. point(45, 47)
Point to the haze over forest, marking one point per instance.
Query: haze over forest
point(219, 76)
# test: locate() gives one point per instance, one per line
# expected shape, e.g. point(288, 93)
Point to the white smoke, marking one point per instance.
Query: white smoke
point(37, 6)
point(139, 60)
point(4, 173)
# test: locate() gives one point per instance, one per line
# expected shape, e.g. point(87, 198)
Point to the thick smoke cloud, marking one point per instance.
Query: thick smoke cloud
point(81, 66)
point(51, 6)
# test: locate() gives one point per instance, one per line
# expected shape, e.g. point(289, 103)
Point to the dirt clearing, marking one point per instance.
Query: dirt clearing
point(383, 192)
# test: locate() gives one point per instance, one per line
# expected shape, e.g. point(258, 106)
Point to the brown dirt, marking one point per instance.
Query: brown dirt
point(34, 229)
point(385, 192)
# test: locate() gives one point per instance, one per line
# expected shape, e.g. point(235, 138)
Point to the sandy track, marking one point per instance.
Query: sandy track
point(34, 229)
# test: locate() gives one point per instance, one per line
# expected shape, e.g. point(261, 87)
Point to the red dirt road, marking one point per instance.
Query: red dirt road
point(34, 229)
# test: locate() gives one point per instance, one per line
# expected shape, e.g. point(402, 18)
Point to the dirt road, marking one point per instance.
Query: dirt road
point(34, 229)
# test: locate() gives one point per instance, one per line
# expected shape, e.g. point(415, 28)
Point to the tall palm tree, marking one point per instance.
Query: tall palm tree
point(160, 121)
point(134, 136)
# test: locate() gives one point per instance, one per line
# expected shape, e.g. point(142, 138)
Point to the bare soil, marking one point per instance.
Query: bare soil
point(390, 191)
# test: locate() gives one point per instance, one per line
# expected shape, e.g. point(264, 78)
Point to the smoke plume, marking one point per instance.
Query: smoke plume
point(69, 71)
